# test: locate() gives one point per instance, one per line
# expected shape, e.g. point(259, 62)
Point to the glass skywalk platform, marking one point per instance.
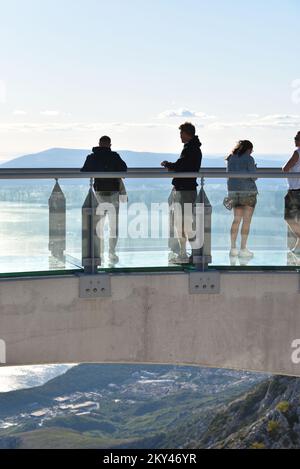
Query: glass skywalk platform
point(34, 204)
point(145, 260)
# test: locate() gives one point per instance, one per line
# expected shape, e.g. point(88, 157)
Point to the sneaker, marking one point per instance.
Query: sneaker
point(234, 252)
point(244, 261)
point(172, 257)
point(113, 258)
point(182, 259)
point(296, 248)
point(245, 253)
point(296, 245)
point(234, 260)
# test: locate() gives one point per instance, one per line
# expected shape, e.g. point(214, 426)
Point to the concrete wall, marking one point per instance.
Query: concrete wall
point(152, 318)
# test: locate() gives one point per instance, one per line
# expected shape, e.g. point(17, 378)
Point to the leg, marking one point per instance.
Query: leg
point(294, 226)
point(179, 229)
point(100, 226)
point(291, 213)
point(113, 219)
point(173, 241)
point(247, 217)
point(190, 198)
point(238, 215)
point(184, 209)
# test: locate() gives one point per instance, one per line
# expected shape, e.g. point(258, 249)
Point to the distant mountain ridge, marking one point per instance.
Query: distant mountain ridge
point(69, 158)
point(74, 158)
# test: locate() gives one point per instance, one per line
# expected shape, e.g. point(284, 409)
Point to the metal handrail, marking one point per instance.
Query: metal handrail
point(137, 173)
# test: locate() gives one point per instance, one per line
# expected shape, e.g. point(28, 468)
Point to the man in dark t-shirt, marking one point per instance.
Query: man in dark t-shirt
point(107, 190)
point(184, 193)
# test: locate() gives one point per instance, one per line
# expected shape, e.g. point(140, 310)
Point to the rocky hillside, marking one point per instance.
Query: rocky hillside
point(266, 417)
point(119, 406)
point(152, 406)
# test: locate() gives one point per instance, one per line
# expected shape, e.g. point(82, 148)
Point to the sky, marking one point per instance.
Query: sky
point(73, 70)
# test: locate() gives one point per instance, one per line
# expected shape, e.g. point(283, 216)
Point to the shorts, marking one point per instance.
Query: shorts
point(243, 199)
point(292, 205)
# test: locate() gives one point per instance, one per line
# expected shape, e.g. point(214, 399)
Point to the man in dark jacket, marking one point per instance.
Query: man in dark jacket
point(184, 193)
point(108, 191)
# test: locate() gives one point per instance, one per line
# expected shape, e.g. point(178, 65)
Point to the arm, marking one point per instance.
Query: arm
point(227, 163)
point(87, 165)
point(122, 166)
point(291, 163)
point(168, 165)
point(252, 166)
point(179, 165)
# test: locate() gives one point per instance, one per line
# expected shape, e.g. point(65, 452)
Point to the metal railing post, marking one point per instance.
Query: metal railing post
point(57, 223)
point(202, 257)
point(91, 255)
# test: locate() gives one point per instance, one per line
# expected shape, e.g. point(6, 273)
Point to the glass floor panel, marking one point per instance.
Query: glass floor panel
point(148, 259)
point(22, 264)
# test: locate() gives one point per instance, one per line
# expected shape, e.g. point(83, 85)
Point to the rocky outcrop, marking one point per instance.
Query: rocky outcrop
point(267, 417)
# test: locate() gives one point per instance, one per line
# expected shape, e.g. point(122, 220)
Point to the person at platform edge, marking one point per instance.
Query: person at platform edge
point(292, 198)
point(108, 191)
point(184, 193)
point(242, 193)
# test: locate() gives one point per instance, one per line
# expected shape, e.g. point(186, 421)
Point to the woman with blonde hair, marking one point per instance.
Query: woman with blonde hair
point(242, 194)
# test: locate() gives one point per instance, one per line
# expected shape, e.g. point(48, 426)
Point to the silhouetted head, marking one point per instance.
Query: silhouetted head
point(105, 142)
point(243, 146)
point(187, 132)
point(297, 139)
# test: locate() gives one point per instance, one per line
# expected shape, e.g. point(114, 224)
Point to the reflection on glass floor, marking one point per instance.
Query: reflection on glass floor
point(147, 259)
point(15, 264)
point(262, 258)
point(132, 259)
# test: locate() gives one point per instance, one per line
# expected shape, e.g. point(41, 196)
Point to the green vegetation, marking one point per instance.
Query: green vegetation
point(273, 426)
point(283, 406)
point(258, 445)
point(126, 417)
point(65, 439)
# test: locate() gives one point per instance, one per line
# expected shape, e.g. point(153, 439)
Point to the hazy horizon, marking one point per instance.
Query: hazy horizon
point(275, 156)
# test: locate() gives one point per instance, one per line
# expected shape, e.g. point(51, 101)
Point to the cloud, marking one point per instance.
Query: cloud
point(279, 120)
point(183, 113)
point(19, 112)
point(50, 113)
point(272, 121)
point(2, 92)
point(77, 126)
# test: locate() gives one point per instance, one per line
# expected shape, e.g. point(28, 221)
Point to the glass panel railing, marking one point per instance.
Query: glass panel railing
point(46, 225)
point(36, 224)
point(143, 229)
point(75, 191)
point(144, 239)
point(267, 239)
